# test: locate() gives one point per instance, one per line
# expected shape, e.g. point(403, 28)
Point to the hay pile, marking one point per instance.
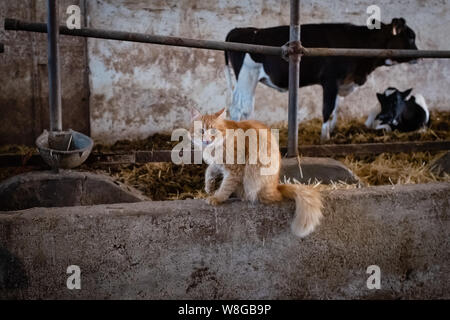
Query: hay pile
point(187, 181)
point(181, 182)
point(399, 168)
point(166, 181)
point(17, 149)
point(154, 142)
point(160, 180)
point(347, 131)
point(6, 172)
point(354, 131)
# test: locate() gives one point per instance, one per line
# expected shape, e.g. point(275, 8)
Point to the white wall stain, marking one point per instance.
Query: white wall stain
point(141, 89)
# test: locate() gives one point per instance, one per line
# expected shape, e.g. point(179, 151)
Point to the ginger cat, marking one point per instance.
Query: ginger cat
point(247, 179)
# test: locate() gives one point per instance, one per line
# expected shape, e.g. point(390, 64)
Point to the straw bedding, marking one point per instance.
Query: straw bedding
point(166, 181)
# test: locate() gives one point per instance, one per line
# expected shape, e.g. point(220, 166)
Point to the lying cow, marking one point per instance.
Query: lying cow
point(336, 75)
point(398, 112)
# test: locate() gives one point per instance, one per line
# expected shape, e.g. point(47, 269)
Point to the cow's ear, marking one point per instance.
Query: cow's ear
point(195, 114)
point(398, 25)
point(221, 114)
point(406, 93)
point(381, 98)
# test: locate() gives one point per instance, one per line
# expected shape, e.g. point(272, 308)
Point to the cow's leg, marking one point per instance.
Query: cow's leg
point(343, 91)
point(330, 91)
point(384, 127)
point(334, 114)
point(244, 92)
point(370, 122)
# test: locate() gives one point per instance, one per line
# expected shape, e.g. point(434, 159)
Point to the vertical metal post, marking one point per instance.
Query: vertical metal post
point(54, 79)
point(294, 81)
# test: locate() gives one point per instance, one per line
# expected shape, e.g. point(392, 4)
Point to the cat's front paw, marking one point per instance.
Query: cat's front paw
point(214, 201)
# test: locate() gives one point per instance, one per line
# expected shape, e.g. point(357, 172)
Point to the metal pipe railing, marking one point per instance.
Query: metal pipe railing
point(54, 77)
point(19, 25)
point(13, 24)
point(294, 50)
point(374, 53)
point(294, 80)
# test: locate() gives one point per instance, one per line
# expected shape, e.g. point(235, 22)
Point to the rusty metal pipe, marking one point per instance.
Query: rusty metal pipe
point(294, 79)
point(19, 25)
point(54, 78)
point(12, 24)
point(374, 53)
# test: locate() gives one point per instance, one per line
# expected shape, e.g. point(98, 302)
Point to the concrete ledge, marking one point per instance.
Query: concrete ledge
point(66, 188)
point(188, 249)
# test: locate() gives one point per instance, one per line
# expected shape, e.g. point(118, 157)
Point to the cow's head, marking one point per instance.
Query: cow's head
point(399, 36)
point(392, 103)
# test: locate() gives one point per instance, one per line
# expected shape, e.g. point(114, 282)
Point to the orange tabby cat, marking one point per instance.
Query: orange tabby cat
point(248, 180)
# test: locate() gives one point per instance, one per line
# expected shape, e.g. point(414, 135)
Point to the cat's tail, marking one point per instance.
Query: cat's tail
point(308, 207)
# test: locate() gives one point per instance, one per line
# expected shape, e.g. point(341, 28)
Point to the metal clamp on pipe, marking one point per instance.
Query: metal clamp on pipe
point(292, 48)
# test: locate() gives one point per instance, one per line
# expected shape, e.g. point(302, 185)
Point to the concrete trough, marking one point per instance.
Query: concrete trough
point(65, 188)
point(188, 249)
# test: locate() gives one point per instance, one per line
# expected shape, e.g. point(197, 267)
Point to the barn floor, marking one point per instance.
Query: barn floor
point(186, 181)
point(347, 131)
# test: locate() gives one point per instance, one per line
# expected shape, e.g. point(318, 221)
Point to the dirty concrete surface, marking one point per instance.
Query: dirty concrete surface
point(188, 249)
point(66, 188)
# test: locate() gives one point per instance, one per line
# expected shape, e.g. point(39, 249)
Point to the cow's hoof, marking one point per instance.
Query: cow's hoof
point(325, 133)
point(324, 139)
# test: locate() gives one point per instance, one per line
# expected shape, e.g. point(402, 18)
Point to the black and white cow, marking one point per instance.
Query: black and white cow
point(398, 112)
point(338, 76)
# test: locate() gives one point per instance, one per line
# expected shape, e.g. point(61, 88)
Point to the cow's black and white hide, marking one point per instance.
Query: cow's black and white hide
point(398, 112)
point(338, 76)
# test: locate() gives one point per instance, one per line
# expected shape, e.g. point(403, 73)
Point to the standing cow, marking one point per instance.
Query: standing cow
point(338, 76)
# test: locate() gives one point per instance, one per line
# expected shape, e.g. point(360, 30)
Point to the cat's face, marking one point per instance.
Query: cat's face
point(206, 129)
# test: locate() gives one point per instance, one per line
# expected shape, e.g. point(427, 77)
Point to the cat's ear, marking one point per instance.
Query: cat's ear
point(221, 114)
point(195, 114)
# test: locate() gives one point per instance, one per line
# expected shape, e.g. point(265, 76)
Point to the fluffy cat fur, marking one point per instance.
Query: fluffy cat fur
point(247, 182)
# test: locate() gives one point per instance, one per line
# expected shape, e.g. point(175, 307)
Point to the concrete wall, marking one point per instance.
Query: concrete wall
point(188, 249)
point(24, 76)
point(141, 89)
